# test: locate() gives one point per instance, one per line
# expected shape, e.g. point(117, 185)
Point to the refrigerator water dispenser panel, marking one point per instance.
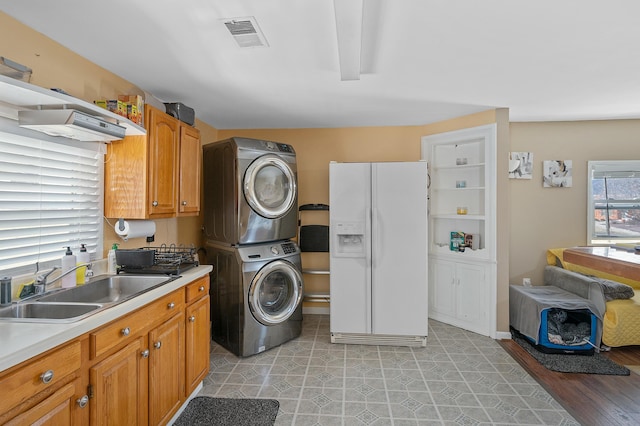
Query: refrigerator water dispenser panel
point(350, 239)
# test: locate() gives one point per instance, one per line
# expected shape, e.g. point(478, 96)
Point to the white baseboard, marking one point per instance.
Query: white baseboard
point(503, 335)
point(193, 395)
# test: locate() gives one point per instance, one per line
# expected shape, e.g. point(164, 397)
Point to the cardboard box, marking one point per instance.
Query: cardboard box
point(138, 102)
point(456, 242)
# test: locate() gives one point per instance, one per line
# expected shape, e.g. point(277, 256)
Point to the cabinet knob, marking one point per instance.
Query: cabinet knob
point(83, 401)
point(201, 288)
point(126, 331)
point(47, 377)
point(171, 305)
point(154, 204)
point(192, 319)
point(157, 344)
point(184, 203)
point(145, 353)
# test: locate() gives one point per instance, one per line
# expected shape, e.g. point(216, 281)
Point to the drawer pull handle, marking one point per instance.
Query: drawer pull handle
point(184, 203)
point(171, 305)
point(192, 318)
point(83, 401)
point(126, 331)
point(154, 204)
point(157, 344)
point(201, 288)
point(145, 353)
point(47, 377)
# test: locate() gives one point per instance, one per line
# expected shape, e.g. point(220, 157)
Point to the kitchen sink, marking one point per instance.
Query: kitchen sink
point(76, 303)
point(48, 312)
point(107, 289)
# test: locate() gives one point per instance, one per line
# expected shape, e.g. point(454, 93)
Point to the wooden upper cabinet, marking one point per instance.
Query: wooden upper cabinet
point(157, 175)
point(163, 134)
point(190, 171)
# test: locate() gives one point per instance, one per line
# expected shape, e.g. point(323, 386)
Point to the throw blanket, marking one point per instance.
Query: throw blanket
point(614, 290)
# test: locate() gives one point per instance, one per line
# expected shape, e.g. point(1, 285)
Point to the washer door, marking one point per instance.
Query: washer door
point(275, 292)
point(270, 186)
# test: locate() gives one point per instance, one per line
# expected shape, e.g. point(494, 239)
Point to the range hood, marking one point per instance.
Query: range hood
point(71, 123)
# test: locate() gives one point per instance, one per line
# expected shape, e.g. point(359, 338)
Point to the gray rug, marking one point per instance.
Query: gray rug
point(563, 363)
point(205, 410)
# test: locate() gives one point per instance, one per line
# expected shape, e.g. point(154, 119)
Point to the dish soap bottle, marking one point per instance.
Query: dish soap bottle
point(82, 259)
point(111, 259)
point(68, 263)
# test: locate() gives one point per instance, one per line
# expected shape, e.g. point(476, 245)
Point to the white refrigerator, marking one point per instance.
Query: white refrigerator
point(378, 253)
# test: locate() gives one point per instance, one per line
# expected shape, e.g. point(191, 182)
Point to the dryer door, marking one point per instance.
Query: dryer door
point(270, 186)
point(275, 292)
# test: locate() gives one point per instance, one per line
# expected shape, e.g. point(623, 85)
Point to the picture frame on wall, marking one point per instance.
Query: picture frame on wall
point(557, 173)
point(520, 165)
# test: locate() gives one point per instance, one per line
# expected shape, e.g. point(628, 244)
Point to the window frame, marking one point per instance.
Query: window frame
point(603, 166)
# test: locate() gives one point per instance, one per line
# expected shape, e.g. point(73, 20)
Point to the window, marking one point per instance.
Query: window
point(614, 202)
point(50, 197)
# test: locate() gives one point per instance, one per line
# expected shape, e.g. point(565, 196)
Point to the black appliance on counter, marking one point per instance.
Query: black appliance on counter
point(165, 259)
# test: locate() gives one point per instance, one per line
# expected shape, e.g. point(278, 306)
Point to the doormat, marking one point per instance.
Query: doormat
point(205, 410)
point(563, 363)
point(634, 368)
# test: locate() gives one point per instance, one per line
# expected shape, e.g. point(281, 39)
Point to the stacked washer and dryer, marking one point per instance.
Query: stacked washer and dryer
point(250, 213)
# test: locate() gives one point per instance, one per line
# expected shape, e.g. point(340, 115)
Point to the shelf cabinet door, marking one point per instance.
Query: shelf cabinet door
point(163, 134)
point(57, 409)
point(166, 369)
point(472, 293)
point(442, 297)
point(190, 171)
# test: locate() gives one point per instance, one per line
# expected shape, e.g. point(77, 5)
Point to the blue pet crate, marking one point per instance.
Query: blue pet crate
point(574, 316)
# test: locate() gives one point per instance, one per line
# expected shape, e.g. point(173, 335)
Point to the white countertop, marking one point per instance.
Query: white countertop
point(21, 341)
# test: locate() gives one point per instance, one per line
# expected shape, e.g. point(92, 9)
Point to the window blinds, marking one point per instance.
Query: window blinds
point(50, 198)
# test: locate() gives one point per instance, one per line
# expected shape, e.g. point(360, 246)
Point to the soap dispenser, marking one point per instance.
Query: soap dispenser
point(68, 263)
point(82, 259)
point(111, 259)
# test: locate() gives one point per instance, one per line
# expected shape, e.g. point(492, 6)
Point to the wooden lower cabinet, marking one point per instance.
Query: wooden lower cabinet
point(198, 340)
point(136, 370)
point(166, 370)
point(57, 409)
point(119, 391)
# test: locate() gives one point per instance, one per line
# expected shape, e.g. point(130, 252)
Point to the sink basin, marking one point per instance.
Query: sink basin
point(48, 312)
point(109, 289)
point(76, 303)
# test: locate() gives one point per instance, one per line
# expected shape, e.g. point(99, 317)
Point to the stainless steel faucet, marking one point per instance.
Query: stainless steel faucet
point(42, 283)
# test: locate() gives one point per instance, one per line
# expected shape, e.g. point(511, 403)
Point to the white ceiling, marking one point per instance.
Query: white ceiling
point(422, 61)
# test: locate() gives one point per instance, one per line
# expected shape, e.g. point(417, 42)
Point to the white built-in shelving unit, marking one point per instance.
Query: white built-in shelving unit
point(462, 198)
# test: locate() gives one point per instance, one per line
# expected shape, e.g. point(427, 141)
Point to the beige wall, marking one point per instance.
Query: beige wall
point(543, 218)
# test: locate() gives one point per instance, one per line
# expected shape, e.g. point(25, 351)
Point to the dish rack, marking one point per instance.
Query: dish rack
point(171, 255)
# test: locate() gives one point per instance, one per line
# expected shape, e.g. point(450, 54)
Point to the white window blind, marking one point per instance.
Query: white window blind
point(50, 198)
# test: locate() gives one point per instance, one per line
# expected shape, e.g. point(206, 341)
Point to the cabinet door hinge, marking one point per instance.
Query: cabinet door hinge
point(90, 391)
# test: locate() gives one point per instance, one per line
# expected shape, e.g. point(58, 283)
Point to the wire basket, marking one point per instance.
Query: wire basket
point(173, 255)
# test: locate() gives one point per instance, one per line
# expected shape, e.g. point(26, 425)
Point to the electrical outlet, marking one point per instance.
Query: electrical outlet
point(526, 282)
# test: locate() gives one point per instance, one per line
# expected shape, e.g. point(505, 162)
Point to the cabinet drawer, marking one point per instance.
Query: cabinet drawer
point(126, 328)
point(197, 289)
point(38, 375)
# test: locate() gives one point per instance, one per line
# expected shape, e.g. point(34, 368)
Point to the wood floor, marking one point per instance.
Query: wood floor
point(592, 399)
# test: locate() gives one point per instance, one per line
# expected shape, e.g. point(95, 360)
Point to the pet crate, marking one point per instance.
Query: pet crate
point(574, 319)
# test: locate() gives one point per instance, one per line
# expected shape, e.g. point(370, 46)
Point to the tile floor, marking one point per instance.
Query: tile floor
point(460, 378)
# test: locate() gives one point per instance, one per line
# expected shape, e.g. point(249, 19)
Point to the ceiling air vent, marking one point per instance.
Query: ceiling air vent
point(246, 32)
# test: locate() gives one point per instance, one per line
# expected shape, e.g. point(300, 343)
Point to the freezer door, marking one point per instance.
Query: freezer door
point(399, 248)
point(350, 247)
